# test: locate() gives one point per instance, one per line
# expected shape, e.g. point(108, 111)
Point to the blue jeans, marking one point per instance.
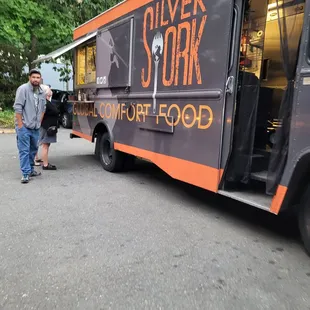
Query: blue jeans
point(27, 144)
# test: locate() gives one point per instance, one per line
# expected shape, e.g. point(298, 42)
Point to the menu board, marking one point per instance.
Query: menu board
point(91, 64)
point(81, 58)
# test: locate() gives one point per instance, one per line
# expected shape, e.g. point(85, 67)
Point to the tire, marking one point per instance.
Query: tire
point(304, 220)
point(65, 121)
point(110, 159)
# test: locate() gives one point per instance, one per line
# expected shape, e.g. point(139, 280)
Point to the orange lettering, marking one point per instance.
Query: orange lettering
point(131, 108)
point(210, 120)
point(108, 115)
point(100, 110)
point(170, 30)
point(172, 11)
point(115, 111)
point(160, 112)
point(157, 15)
point(178, 116)
point(146, 81)
point(202, 6)
point(183, 54)
point(147, 108)
point(184, 4)
point(122, 110)
point(186, 116)
point(95, 114)
point(162, 21)
point(139, 112)
point(195, 43)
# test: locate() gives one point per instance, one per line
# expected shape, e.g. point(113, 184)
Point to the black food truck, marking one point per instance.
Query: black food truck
point(214, 92)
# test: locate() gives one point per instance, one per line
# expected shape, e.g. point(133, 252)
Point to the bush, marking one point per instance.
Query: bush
point(11, 74)
point(7, 119)
point(7, 100)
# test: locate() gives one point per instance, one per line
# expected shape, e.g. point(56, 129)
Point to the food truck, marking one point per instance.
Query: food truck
point(214, 92)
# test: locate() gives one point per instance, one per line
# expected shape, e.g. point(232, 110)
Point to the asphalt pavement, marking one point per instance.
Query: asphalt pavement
point(83, 238)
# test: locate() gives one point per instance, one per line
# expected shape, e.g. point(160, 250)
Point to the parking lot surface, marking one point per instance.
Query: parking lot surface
point(83, 238)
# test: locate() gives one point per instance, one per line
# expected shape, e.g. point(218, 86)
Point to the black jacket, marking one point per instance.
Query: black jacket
point(51, 116)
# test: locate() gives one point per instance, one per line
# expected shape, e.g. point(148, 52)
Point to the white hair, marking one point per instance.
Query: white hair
point(48, 92)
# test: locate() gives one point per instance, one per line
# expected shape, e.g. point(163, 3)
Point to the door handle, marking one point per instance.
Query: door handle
point(229, 88)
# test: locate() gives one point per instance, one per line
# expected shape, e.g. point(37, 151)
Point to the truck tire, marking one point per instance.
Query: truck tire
point(304, 220)
point(110, 159)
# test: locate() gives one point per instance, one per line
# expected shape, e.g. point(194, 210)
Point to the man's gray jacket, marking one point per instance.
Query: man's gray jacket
point(30, 105)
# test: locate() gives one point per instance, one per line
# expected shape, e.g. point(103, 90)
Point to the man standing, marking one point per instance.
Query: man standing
point(29, 109)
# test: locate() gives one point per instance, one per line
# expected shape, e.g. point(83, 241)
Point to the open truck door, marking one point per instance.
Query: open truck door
point(191, 73)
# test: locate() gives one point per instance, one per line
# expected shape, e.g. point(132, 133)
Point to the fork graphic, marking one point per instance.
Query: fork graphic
point(157, 50)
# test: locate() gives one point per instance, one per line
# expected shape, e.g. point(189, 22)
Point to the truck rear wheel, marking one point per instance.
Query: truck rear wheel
point(111, 160)
point(304, 220)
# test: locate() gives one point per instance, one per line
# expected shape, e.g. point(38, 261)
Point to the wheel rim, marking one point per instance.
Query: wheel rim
point(107, 152)
point(64, 120)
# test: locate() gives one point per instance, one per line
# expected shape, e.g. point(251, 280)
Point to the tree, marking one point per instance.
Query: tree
point(27, 25)
point(81, 11)
point(11, 75)
point(29, 28)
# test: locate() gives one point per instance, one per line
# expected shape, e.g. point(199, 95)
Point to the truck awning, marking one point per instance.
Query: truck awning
point(66, 48)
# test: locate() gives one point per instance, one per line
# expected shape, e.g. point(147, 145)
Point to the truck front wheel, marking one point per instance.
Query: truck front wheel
point(111, 160)
point(304, 220)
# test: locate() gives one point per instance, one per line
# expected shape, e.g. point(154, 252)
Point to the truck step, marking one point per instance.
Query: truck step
point(260, 176)
point(257, 156)
point(253, 198)
point(259, 162)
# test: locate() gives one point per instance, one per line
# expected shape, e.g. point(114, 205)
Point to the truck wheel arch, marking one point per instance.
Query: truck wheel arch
point(101, 128)
point(298, 183)
point(304, 219)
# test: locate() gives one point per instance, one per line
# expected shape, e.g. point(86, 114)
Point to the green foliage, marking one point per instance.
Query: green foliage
point(64, 72)
point(7, 119)
point(11, 75)
point(29, 28)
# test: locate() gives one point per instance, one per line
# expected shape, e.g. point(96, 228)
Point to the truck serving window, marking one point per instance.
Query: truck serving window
point(114, 45)
point(86, 64)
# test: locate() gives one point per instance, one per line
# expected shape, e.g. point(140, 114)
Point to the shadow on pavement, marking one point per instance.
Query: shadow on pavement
point(282, 227)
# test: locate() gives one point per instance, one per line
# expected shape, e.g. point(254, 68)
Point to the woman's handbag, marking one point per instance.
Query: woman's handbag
point(52, 131)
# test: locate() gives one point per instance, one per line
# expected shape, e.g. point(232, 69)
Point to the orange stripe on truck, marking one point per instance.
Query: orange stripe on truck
point(197, 174)
point(278, 199)
point(82, 135)
point(193, 173)
point(109, 16)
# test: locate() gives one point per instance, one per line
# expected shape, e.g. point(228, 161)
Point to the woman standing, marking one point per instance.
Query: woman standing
point(48, 130)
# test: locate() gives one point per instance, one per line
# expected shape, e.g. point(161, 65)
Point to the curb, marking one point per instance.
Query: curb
point(6, 131)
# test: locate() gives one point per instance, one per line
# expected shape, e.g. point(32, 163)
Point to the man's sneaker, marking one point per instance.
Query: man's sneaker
point(25, 179)
point(37, 162)
point(35, 173)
